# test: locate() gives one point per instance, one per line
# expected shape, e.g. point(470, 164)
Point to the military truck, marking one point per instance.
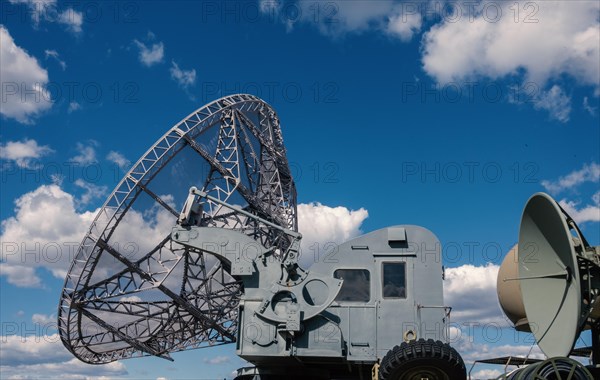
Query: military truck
point(370, 308)
point(227, 268)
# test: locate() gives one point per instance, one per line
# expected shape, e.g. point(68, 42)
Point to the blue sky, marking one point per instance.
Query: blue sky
point(440, 114)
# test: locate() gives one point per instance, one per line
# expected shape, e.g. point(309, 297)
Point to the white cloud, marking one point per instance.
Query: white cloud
point(487, 374)
point(54, 54)
point(47, 10)
point(320, 224)
point(43, 319)
point(87, 153)
point(470, 350)
point(184, 78)
point(336, 19)
point(130, 299)
point(581, 214)
point(270, 6)
point(23, 153)
point(72, 19)
point(476, 340)
point(586, 106)
point(150, 55)
point(17, 350)
point(47, 229)
point(589, 213)
point(24, 82)
point(73, 106)
point(118, 159)
point(471, 291)
point(588, 173)
point(490, 47)
point(91, 192)
point(18, 275)
point(217, 360)
point(33, 357)
point(39, 10)
point(44, 233)
point(404, 25)
point(473, 40)
point(556, 102)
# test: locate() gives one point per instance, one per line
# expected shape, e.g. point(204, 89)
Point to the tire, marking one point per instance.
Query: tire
point(422, 359)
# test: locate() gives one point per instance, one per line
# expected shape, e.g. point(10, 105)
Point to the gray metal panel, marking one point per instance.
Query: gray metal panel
point(396, 234)
point(421, 251)
point(362, 333)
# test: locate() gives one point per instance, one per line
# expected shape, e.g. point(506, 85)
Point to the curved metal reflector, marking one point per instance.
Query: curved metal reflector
point(130, 290)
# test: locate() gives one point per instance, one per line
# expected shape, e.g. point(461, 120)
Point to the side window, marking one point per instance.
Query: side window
point(394, 280)
point(356, 286)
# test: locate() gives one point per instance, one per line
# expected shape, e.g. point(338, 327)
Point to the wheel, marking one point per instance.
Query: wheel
point(422, 359)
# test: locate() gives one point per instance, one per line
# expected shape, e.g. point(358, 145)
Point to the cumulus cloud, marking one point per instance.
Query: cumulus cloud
point(509, 41)
point(405, 25)
point(571, 182)
point(24, 82)
point(496, 46)
point(47, 228)
point(118, 159)
point(91, 191)
point(18, 350)
point(582, 214)
point(482, 39)
point(87, 153)
point(23, 357)
point(556, 102)
point(150, 55)
point(336, 19)
point(47, 10)
point(588, 173)
point(72, 19)
point(320, 225)
point(470, 350)
point(23, 153)
point(19, 275)
point(44, 233)
point(184, 78)
point(43, 319)
point(471, 291)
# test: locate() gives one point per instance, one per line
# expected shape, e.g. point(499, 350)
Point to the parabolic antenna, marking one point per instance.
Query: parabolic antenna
point(132, 291)
point(549, 276)
point(557, 281)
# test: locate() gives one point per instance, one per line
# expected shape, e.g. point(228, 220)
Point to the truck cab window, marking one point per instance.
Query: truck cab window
point(394, 280)
point(356, 286)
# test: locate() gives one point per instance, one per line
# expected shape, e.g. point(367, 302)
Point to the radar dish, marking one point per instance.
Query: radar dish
point(130, 290)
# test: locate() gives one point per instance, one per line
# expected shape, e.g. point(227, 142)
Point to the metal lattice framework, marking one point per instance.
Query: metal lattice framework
point(130, 290)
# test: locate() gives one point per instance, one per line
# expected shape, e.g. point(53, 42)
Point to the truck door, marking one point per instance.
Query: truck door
point(396, 309)
point(358, 311)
